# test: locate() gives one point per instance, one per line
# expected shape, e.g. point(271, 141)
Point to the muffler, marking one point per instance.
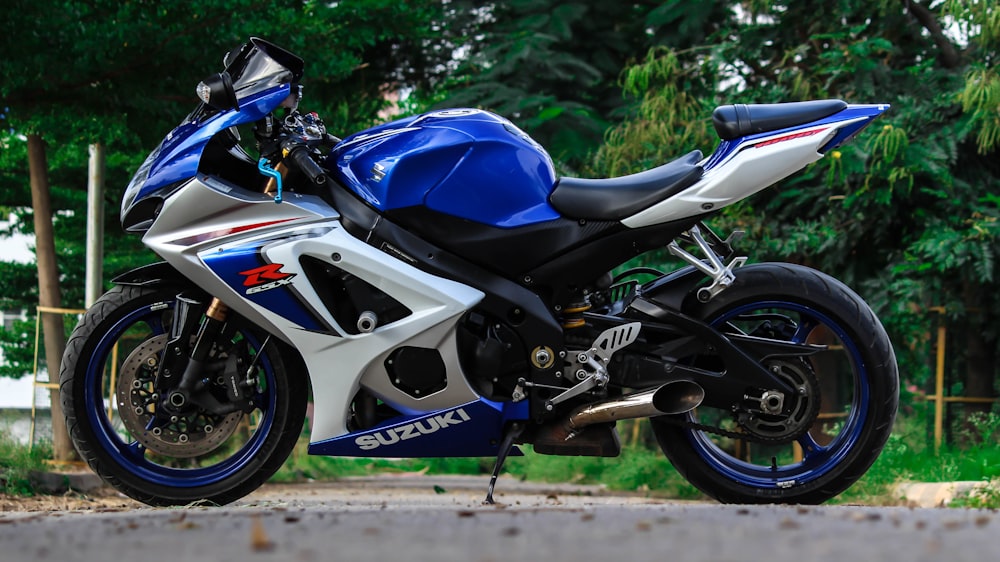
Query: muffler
point(675, 397)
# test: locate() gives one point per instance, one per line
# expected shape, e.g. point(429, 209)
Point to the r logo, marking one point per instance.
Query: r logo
point(265, 274)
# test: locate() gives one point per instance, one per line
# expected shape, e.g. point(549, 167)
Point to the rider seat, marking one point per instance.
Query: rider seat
point(740, 120)
point(617, 198)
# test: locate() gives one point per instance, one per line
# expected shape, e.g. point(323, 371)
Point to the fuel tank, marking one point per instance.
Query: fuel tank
point(466, 163)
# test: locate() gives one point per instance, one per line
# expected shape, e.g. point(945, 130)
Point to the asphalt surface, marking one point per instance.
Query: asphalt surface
point(444, 520)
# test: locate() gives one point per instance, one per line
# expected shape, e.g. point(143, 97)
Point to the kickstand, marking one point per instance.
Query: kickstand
point(506, 445)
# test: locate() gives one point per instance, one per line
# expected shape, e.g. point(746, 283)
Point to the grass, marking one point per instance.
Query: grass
point(637, 469)
point(17, 462)
point(908, 456)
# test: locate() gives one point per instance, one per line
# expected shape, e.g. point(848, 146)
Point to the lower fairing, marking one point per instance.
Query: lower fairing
point(471, 430)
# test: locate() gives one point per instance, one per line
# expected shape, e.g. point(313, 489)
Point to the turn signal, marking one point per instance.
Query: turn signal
point(217, 91)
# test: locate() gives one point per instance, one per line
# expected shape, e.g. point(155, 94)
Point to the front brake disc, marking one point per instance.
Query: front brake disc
point(191, 435)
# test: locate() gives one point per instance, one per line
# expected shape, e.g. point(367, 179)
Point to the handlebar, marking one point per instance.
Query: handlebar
point(292, 141)
point(303, 161)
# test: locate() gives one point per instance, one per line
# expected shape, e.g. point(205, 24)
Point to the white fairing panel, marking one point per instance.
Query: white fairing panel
point(339, 365)
point(202, 225)
point(748, 170)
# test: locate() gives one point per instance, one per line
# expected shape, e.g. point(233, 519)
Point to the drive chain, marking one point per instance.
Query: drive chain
point(672, 420)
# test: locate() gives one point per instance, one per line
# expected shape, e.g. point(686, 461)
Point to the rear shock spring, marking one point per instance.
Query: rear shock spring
point(572, 315)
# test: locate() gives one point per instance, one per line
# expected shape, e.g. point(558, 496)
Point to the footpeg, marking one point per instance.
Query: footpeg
point(722, 275)
point(593, 372)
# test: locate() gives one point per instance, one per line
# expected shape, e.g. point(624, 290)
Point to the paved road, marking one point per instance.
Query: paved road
point(409, 520)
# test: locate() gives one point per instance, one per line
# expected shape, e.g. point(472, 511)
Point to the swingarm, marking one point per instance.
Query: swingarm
point(673, 338)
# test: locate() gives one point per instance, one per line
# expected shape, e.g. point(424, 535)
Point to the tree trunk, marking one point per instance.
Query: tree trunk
point(980, 360)
point(950, 56)
point(48, 289)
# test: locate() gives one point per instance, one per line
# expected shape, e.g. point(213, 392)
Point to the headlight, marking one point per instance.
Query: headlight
point(138, 181)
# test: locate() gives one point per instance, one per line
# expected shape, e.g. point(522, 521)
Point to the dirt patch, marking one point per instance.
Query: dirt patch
point(99, 501)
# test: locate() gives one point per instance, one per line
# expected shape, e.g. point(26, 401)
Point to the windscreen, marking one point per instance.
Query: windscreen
point(259, 65)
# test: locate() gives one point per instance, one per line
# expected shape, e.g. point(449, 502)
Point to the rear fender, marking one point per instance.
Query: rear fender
point(671, 289)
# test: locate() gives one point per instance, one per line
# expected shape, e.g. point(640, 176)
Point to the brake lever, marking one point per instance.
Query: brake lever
point(271, 173)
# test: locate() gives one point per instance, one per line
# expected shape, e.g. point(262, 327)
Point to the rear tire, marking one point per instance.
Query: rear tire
point(856, 416)
point(131, 322)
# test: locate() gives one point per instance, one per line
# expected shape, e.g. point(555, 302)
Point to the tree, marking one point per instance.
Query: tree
point(123, 73)
point(552, 66)
point(48, 284)
point(132, 77)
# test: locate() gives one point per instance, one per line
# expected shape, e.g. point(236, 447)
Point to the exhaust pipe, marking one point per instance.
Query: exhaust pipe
point(675, 397)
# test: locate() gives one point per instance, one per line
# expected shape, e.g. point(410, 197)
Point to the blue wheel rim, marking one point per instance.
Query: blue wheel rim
point(131, 456)
point(818, 460)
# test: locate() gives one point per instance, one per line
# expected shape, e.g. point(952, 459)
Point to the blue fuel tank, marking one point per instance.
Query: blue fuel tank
point(467, 163)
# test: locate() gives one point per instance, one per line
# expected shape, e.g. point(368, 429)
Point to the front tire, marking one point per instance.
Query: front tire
point(857, 374)
point(106, 378)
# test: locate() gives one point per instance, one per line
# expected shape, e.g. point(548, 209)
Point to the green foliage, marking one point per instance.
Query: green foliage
point(135, 64)
point(18, 349)
point(906, 214)
point(909, 457)
point(980, 25)
point(17, 461)
point(668, 119)
point(983, 498)
point(637, 469)
point(981, 100)
point(552, 66)
point(123, 74)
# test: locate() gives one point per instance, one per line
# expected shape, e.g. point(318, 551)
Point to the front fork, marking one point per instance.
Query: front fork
point(187, 370)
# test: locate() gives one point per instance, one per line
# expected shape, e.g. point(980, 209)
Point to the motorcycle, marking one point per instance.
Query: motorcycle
point(438, 291)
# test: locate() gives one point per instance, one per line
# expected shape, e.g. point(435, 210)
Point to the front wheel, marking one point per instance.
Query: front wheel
point(107, 382)
point(854, 380)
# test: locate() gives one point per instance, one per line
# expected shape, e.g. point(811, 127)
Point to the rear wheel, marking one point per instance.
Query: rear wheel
point(839, 424)
point(108, 396)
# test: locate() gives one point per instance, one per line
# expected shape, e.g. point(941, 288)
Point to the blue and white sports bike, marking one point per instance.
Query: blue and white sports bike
point(437, 290)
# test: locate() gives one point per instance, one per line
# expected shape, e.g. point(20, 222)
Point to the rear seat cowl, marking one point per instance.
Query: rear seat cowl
point(740, 120)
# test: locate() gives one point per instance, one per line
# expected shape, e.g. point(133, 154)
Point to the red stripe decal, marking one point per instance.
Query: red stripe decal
point(789, 137)
point(227, 231)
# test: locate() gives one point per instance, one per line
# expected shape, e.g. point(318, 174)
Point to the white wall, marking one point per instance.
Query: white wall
point(17, 393)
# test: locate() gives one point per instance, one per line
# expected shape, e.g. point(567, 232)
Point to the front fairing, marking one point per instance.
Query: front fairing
point(261, 76)
point(176, 159)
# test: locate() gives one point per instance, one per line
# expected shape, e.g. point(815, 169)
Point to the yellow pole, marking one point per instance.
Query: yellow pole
point(34, 380)
point(39, 310)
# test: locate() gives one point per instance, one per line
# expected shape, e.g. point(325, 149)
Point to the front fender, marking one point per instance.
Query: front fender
point(154, 275)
